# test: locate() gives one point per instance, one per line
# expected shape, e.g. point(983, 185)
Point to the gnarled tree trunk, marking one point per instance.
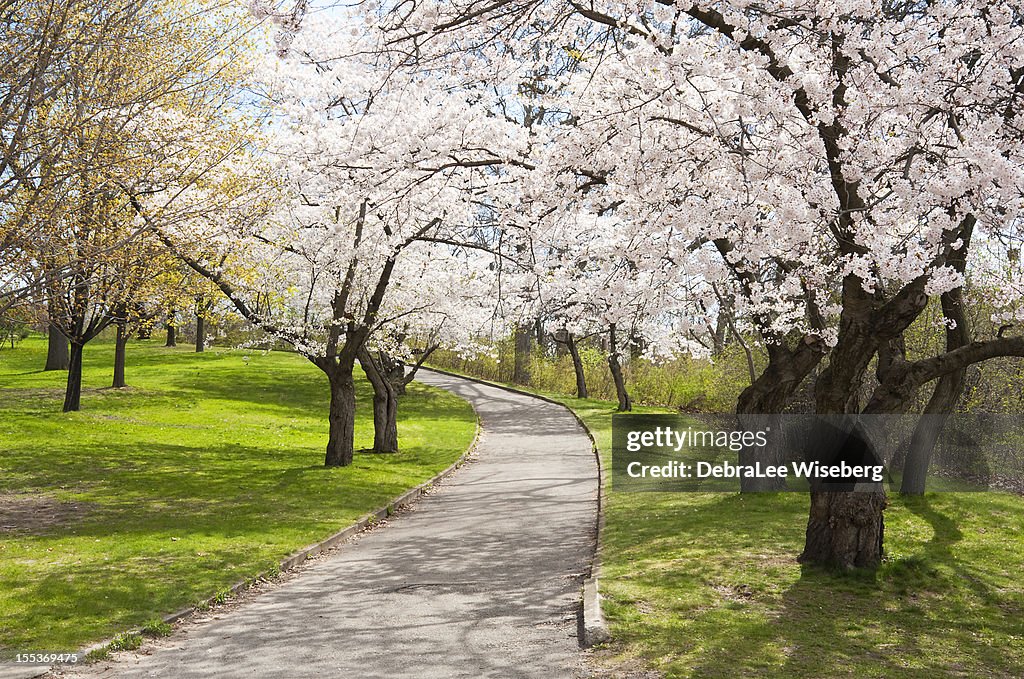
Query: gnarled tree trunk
point(341, 416)
point(845, 529)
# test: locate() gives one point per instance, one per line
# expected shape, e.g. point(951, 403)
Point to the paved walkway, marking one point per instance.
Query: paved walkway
point(480, 579)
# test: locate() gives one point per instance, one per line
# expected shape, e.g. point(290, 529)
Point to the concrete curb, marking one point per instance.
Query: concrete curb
point(331, 542)
point(593, 628)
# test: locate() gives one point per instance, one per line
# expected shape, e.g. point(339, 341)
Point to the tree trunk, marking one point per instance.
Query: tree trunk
point(521, 363)
point(57, 356)
point(718, 336)
point(200, 334)
point(845, 530)
point(769, 394)
point(943, 400)
point(948, 388)
point(385, 405)
point(120, 344)
point(171, 335)
point(341, 418)
point(577, 366)
point(73, 393)
point(625, 402)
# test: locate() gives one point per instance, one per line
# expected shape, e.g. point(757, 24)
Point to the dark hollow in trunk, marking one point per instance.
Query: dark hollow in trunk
point(341, 418)
point(200, 334)
point(73, 392)
point(577, 366)
point(385, 404)
point(120, 344)
point(172, 340)
point(58, 357)
point(845, 530)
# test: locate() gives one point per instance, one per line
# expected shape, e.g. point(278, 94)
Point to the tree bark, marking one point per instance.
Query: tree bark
point(625, 402)
point(577, 366)
point(718, 334)
point(57, 354)
point(948, 388)
point(521, 362)
point(769, 394)
point(845, 530)
point(171, 334)
point(385, 404)
point(341, 418)
point(73, 392)
point(200, 334)
point(120, 345)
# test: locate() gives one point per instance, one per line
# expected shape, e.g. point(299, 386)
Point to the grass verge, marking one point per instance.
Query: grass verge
point(205, 471)
point(707, 585)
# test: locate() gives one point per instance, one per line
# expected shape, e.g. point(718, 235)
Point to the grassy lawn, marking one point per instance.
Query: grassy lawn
point(206, 470)
point(707, 585)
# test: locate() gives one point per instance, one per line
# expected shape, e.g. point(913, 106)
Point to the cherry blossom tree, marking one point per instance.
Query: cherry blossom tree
point(378, 169)
point(836, 158)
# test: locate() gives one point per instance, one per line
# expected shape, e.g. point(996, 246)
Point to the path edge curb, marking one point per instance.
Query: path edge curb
point(593, 628)
point(296, 558)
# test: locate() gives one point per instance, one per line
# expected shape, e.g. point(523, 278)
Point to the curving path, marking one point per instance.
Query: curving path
point(480, 579)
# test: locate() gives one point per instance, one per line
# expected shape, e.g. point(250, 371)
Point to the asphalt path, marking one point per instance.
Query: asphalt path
point(480, 578)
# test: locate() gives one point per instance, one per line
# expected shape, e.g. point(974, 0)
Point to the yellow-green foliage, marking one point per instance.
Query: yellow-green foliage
point(709, 385)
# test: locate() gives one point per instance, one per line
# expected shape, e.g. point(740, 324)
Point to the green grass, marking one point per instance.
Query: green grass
point(205, 471)
point(707, 585)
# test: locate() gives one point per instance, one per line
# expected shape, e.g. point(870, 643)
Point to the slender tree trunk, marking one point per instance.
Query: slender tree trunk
point(541, 336)
point(385, 405)
point(943, 400)
point(948, 388)
point(577, 366)
point(57, 355)
point(171, 335)
point(521, 363)
point(200, 334)
point(341, 418)
point(120, 345)
point(73, 393)
point(718, 334)
point(625, 402)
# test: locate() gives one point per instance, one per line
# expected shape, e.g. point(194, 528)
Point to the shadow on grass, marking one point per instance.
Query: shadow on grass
point(907, 619)
point(710, 585)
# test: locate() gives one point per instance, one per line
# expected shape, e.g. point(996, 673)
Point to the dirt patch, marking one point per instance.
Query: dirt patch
point(21, 513)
